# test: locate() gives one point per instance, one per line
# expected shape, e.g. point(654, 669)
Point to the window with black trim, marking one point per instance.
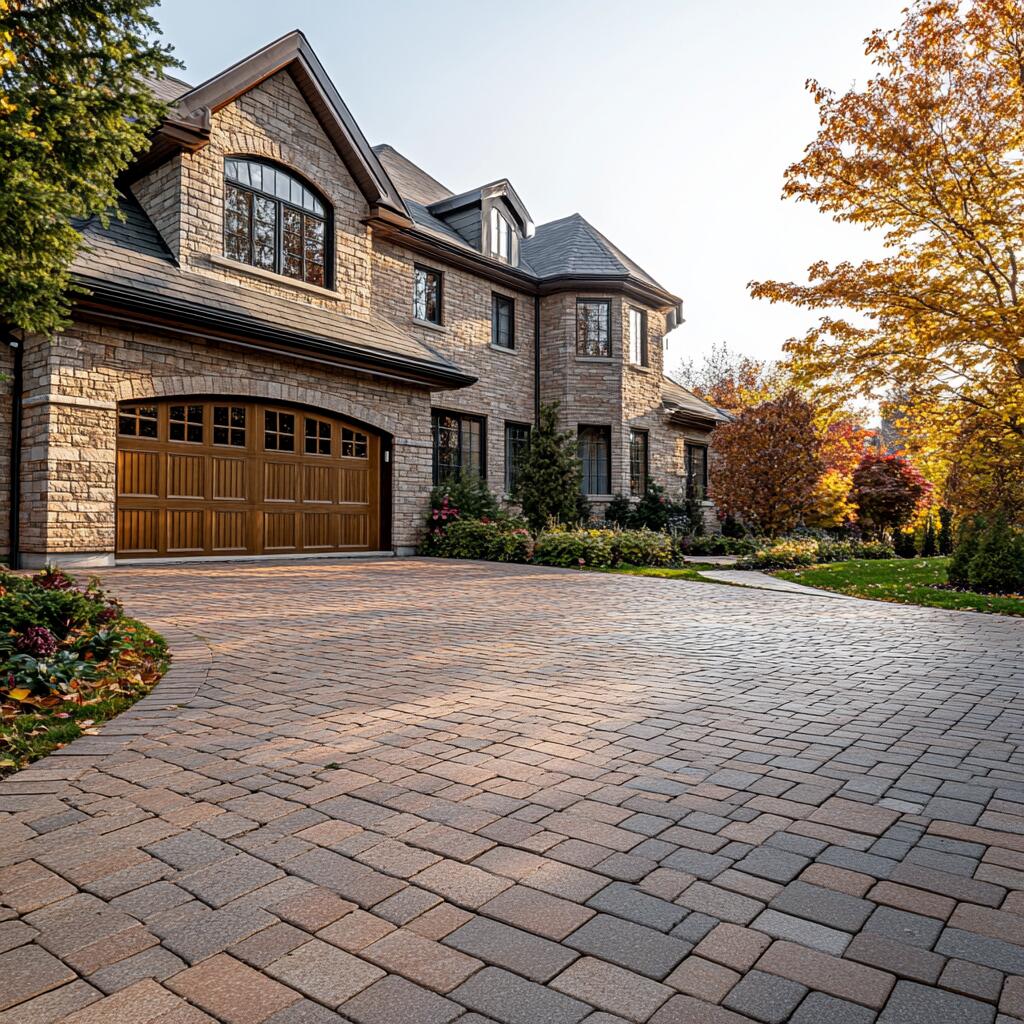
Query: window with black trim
point(459, 445)
point(594, 446)
point(638, 355)
point(185, 423)
point(229, 425)
point(426, 295)
point(275, 222)
point(278, 431)
point(137, 421)
point(696, 469)
point(593, 328)
point(503, 321)
point(639, 461)
point(517, 444)
point(501, 236)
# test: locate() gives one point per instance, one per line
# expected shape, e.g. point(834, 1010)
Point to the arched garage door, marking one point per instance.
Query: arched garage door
point(220, 477)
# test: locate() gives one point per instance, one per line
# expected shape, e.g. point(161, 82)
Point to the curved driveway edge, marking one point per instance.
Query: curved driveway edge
point(419, 791)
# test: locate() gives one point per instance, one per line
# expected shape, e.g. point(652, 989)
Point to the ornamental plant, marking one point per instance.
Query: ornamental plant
point(887, 491)
point(998, 564)
point(549, 475)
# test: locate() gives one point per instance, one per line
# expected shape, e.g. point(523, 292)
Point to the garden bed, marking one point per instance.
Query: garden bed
point(69, 659)
point(920, 581)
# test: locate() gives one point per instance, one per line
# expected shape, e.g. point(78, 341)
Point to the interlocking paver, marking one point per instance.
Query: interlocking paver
point(339, 775)
point(612, 988)
point(231, 991)
point(513, 1000)
point(917, 1004)
point(503, 946)
point(629, 945)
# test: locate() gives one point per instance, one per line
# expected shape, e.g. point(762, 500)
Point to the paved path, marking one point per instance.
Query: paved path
point(764, 581)
point(410, 792)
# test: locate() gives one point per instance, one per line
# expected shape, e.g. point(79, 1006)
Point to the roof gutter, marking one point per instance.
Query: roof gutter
point(14, 493)
point(109, 302)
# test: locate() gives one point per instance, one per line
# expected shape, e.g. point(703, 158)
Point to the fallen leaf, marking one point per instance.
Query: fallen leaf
point(20, 693)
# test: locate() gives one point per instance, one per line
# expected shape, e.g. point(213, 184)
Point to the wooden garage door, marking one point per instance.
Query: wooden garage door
point(209, 477)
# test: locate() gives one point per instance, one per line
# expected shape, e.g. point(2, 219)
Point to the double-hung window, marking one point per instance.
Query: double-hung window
point(503, 321)
point(459, 445)
point(696, 469)
point(638, 337)
point(426, 295)
point(517, 443)
point(593, 327)
point(274, 222)
point(594, 445)
point(638, 462)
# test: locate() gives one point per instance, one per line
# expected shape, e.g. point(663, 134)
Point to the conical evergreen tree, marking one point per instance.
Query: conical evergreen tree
point(548, 485)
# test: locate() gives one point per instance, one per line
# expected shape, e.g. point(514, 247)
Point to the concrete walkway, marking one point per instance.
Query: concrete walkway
point(415, 792)
point(762, 581)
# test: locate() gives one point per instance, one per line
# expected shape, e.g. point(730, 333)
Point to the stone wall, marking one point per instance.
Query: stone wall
point(6, 368)
point(504, 392)
point(73, 385)
point(272, 121)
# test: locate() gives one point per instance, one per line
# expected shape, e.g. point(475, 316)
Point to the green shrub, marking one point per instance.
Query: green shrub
point(945, 531)
point(903, 544)
point(468, 495)
point(503, 541)
point(966, 548)
point(619, 511)
point(574, 549)
point(930, 540)
point(782, 554)
point(791, 552)
point(998, 565)
point(714, 544)
point(642, 548)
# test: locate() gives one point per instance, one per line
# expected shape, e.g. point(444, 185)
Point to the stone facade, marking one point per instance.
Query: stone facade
point(72, 383)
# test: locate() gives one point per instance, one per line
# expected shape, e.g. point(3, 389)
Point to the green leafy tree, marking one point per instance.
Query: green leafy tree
point(75, 108)
point(548, 482)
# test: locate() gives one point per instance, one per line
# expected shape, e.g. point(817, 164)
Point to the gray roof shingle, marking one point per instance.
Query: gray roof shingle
point(128, 256)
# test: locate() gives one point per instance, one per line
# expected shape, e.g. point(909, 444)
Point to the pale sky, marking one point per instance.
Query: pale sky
point(666, 123)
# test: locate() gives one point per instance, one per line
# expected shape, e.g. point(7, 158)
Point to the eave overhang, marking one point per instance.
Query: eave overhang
point(188, 124)
point(428, 244)
point(112, 303)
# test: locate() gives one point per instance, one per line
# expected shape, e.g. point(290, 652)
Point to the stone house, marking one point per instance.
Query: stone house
point(287, 336)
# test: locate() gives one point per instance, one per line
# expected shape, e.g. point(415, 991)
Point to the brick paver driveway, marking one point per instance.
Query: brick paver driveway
point(416, 792)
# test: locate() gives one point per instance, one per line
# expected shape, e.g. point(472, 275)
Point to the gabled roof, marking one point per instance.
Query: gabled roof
point(413, 182)
point(685, 408)
point(126, 265)
point(500, 189)
point(188, 123)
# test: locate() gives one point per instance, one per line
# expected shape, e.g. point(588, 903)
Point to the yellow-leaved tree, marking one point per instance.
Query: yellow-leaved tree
point(929, 151)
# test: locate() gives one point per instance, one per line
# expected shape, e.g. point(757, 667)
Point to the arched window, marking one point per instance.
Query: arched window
point(273, 221)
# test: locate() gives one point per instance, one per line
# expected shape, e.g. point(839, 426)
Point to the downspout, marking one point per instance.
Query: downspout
point(536, 360)
point(14, 522)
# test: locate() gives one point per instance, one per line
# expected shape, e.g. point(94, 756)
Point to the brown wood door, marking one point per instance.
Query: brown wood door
point(218, 477)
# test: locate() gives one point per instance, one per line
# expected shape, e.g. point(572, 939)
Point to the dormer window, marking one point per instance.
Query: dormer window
point(501, 236)
point(274, 222)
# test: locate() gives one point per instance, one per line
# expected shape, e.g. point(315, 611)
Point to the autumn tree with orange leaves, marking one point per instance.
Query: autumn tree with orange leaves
point(766, 464)
point(931, 152)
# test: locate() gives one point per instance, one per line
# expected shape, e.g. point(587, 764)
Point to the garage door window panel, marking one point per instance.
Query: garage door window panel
point(278, 431)
point(138, 421)
point(185, 423)
point(229, 426)
point(318, 437)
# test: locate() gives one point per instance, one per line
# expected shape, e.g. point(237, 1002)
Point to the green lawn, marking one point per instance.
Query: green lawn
point(691, 572)
point(901, 580)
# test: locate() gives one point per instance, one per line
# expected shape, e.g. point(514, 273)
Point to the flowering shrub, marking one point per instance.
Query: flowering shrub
point(789, 553)
point(575, 549)
point(642, 548)
point(504, 541)
point(68, 656)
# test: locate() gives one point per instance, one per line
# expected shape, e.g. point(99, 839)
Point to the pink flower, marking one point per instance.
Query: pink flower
point(583, 561)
